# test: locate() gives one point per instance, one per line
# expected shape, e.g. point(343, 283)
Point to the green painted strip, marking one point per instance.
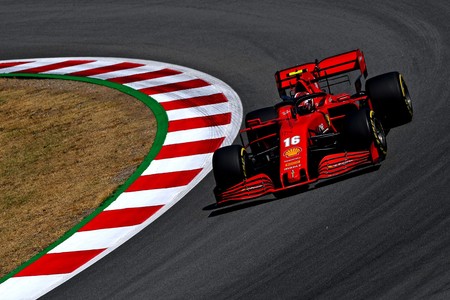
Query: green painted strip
point(162, 124)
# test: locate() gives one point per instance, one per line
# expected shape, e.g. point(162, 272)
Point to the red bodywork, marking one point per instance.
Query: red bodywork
point(299, 137)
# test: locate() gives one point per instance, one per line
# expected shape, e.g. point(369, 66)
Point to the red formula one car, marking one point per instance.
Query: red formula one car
point(319, 130)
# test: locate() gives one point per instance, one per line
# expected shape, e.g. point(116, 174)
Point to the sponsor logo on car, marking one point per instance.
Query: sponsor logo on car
point(293, 163)
point(292, 152)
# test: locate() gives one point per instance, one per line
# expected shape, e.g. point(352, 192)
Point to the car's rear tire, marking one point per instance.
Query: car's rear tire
point(229, 166)
point(390, 99)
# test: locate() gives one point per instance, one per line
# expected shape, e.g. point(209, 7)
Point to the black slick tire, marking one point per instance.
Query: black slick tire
point(229, 166)
point(390, 99)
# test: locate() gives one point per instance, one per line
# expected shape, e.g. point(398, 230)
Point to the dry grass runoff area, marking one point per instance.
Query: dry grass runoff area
point(65, 146)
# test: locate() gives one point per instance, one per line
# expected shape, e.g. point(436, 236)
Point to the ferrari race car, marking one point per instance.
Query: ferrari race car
point(319, 130)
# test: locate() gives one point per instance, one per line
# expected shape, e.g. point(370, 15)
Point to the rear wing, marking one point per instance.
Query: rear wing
point(328, 67)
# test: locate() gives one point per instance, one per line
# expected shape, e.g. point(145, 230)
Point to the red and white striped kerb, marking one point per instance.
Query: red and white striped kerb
point(203, 113)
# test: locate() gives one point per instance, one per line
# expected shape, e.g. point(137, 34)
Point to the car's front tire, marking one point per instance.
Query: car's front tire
point(361, 129)
point(357, 131)
point(229, 166)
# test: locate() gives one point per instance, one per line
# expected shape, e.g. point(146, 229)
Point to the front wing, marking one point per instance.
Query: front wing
point(261, 184)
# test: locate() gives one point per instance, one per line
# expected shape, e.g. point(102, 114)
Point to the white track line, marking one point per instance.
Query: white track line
point(94, 239)
point(198, 111)
point(194, 135)
point(145, 198)
point(127, 72)
point(138, 85)
point(184, 94)
point(176, 164)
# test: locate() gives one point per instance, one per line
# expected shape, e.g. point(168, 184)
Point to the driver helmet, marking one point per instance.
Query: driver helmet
point(299, 94)
point(306, 106)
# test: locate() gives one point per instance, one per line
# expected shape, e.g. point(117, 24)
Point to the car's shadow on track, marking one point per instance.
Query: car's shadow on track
point(225, 208)
point(235, 206)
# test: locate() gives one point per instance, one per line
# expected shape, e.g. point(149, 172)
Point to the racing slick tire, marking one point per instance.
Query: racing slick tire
point(229, 166)
point(390, 99)
point(361, 129)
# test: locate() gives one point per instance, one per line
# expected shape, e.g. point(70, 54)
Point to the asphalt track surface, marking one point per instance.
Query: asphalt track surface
point(382, 234)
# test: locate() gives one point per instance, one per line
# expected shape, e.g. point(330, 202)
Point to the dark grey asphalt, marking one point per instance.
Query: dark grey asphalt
point(383, 234)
